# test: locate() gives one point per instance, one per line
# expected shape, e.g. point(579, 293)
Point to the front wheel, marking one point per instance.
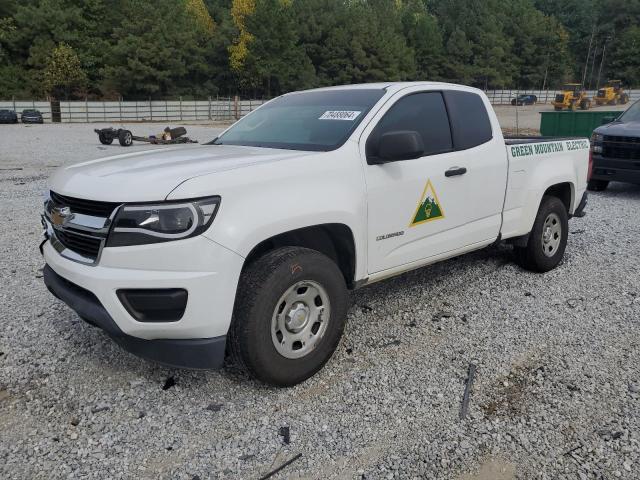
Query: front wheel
point(548, 238)
point(597, 185)
point(289, 315)
point(105, 139)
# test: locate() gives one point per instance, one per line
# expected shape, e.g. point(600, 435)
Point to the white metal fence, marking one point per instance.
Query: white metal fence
point(504, 97)
point(218, 109)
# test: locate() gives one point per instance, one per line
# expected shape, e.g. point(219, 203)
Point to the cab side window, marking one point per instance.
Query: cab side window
point(470, 122)
point(424, 113)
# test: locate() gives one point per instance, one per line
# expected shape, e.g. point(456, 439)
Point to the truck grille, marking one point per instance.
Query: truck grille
point(82, 233)
point(86, 207)
point(86, 245)
point(624, 148)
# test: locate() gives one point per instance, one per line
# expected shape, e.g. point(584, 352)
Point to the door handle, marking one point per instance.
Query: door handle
point(453, 171)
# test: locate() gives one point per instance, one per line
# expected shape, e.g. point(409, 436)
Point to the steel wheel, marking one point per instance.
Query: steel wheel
point(300, 319)
point(551, 235)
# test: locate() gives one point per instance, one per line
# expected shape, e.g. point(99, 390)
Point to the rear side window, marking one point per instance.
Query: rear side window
point(470, 122)
point(424, 113)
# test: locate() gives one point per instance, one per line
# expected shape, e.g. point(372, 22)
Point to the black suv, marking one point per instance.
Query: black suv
point(616, 150)
point(8, 116)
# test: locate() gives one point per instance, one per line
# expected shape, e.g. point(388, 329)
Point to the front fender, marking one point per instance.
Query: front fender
point(262, 201)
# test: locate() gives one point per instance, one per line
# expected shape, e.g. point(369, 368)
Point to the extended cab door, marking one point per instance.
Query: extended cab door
point(449, 198)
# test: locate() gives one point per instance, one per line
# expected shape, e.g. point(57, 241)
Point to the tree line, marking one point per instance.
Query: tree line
point(198, 48)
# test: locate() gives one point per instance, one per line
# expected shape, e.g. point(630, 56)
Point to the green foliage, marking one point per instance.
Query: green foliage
point(63, 74)
point(625, 61)
point(197, 48)
point(273, 61)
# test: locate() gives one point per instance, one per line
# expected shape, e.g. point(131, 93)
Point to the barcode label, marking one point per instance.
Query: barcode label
point(349, 115)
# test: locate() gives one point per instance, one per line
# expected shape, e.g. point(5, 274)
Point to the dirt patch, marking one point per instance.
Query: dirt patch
point(492, 469)
point(510, 395)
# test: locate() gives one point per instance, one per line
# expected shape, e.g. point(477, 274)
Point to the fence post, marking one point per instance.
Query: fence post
point(180, 107)
point(86, 109)
point(120, 108)
point(13, 99)
point(136, 110)
point(166, 111)
point(150, 109)
point(104, 112)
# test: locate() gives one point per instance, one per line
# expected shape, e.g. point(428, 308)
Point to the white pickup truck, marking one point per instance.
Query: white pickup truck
point(249, 244)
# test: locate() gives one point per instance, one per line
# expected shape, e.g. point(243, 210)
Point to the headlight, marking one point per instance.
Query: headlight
point(162, 222)
point(597, 137)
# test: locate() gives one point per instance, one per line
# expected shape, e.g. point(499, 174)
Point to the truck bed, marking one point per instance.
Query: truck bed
point(512, 140)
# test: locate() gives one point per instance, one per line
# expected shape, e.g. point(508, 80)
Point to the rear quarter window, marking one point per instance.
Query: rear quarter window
point(470, 123)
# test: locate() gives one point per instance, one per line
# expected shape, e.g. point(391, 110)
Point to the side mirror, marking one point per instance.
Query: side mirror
point(606, 120)
point(398, 145)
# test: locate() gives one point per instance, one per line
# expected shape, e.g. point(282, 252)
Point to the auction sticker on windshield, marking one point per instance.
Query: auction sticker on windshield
point(349, 115)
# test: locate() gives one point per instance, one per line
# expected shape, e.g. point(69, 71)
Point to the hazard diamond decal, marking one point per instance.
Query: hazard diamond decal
point(429, 208)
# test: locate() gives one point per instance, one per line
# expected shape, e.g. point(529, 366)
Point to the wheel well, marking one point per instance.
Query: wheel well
point(563, 191)
point(335, 240)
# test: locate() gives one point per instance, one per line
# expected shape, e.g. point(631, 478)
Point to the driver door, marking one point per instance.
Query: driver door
point(438, 203)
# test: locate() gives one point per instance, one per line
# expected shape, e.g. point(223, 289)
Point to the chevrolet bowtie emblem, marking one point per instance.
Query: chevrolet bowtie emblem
point(60, 215)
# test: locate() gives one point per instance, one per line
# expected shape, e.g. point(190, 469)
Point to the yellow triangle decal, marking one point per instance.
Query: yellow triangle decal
point(429, 207)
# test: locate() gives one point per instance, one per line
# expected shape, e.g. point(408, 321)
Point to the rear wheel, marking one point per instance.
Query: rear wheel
point(548, 238)
point(125, 138)
point(289, 315)
point(597, 185)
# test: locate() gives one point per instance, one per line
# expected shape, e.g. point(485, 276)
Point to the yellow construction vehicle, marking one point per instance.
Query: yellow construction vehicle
point(573, 96)
point(611, 94)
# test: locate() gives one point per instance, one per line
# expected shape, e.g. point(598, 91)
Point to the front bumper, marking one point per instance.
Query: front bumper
point(616, 170)
point(208, 271)
point(201, 353)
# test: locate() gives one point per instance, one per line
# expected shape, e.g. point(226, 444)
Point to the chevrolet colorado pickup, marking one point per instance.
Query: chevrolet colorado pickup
point(249, 244)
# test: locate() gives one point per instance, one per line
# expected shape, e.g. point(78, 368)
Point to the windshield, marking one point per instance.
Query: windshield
point(311, 121)
point(632, 114)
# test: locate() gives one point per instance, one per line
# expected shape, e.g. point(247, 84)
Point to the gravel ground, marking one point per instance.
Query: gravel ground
point(556, 396)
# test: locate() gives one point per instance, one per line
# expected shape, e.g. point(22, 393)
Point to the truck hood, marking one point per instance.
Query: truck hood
point(152, 174)
point(619, 129)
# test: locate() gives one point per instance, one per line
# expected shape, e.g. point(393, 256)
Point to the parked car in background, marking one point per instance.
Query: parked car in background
point(32, 116)
point(525, 100)
point(8, 116)
point(616, 150)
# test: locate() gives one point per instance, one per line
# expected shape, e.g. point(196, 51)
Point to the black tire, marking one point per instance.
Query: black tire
point(177, 132)
point(125, 138)
point(597, 185)
point(262, 285)
point(533, 256)
point(104, 139)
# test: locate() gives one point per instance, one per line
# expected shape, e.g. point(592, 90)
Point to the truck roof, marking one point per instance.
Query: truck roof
point(390, 86)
